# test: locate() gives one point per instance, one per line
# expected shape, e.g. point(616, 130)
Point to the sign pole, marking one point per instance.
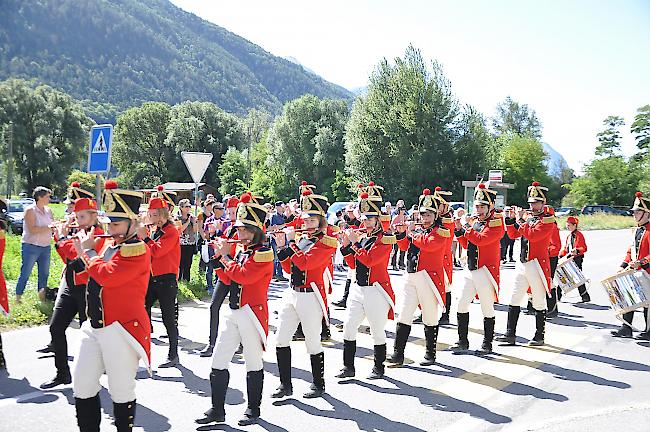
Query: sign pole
point(98, 191)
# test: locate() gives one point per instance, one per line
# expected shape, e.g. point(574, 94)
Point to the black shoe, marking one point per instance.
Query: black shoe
point(47, 349)
point(431, 336)
point(341, 303)
point(283, 355)
point(513, 316)
point(585, 299)
point(488, 336)
point(170, 363)
point(463, 330)
point(207, 352)
point(645, 335)
point(553, 314)
point(623, 332)
point(299, 335)
point(540, 326)
point(317, 389)
point(346, 291)
point(56, 381)
point(281, 279)
point(211, 416)
point(254, 385)
point(401, 337)
point(349, 350)
point(379, 358)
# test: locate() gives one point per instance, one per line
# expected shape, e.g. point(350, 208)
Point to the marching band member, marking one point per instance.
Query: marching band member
point(165, 248)
point(4, 299)
point(247, 276)
point(482, 239)
point(638, 257)
point(554, 247)
point(305, 259)
point(575, 247)
point(72, 296)
point(535, 271)
point(425, 278)
point(351, 221)
point(447, 220)
point(371, 294)
point(116, 334)
point(227, 231)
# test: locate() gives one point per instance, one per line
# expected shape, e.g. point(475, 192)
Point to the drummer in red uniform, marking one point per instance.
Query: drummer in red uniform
point(482, 239)
point(575, 247)
point(425, 278)
point(247, 276)
point(371, 294)
point(117, 334)
point(4, 299)
point(638, 257)
point(535, 228)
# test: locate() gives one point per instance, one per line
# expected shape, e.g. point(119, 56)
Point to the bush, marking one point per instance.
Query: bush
point(600, 221)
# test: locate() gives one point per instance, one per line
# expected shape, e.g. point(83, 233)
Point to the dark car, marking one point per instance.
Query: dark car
point(54, 199)
point(15, 213)
point(600, 208)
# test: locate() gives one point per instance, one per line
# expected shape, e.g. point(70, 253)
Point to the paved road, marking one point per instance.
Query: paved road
point(581, 380)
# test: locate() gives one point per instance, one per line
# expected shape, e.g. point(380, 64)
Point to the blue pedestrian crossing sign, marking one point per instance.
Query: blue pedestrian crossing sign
point(99, 154)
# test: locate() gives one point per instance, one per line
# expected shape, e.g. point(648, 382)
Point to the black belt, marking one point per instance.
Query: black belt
point(303, 289)
point(165, 278)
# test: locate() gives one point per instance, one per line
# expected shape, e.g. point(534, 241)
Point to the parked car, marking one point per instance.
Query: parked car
point(455, 205)
point(567, 211)
point(15, 212)
point(600, 208)
point(54, 199)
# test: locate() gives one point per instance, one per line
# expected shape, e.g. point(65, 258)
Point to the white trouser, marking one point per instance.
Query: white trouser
point(418, 289)
point(238, 328)
point(530, 275)
point(301, 308)
point(105, 349)
point(338, 257)
point(477, 282)
point(367, 302)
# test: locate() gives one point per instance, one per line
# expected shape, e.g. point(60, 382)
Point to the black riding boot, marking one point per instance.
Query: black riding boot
point(284, 368)
point(89, 413)
point(380, 357)
point(349, 349)
point(540, 324)
point(124, 415)
point(488, 335)
point(431, 336)
point(318, 373)
point(344, 300)
point(625, 331)
point(219, 385)
point(401, 336)
point(463, 330)
point(513, 317)
point(254, 385)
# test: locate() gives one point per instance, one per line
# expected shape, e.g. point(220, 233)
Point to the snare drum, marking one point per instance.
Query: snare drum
point(628, 290)
point(568, 276)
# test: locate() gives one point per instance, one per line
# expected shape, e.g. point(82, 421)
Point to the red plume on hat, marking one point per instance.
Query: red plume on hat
point(110, 184)
point(364, 195)
point(535, 183)
point(481, 186)
point(160, 188)
point(426, 191)
point(306, 192)
point(232, 202)
point(76, 184)
point(638, 194)
point(245, 198)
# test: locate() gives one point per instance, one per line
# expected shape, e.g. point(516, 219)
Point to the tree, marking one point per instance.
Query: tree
point(232, 172)
point(609, 180)
point(400, 133)
point(641, 128)
point(609, 140)
point(307, 142)
point(267, 175)
point(140, 152)
point(50, 132)
point(475, 149)
point(523, 161)
point(86, 180)
point(511, 116)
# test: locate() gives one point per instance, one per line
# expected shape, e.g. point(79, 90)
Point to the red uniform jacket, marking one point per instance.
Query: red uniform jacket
point(370, 258)
point(249, 276)
point(68, 253)
point(117, 288)
point(4, 299)
point(483, 243)
point(536, 233)
point(555, 243)
point(575, 244)
point(640, 248)
point(165, 249)
point(426, 251)
point(307, 259)
point(448, 222)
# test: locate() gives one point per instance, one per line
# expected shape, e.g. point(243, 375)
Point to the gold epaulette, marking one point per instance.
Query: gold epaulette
point(548, 219)
point(443, 232)
point(263, 255)
point(496, 222)
point(388, 239)
point(128, 250)
point(329, 241)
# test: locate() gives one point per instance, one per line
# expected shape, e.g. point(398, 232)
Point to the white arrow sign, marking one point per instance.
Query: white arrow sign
point(197, 163)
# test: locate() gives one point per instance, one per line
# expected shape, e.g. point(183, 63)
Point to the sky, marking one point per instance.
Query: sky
point(574, 62)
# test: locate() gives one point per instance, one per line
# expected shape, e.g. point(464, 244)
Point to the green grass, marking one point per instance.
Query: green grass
point(32, 312)
point(600, 221)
